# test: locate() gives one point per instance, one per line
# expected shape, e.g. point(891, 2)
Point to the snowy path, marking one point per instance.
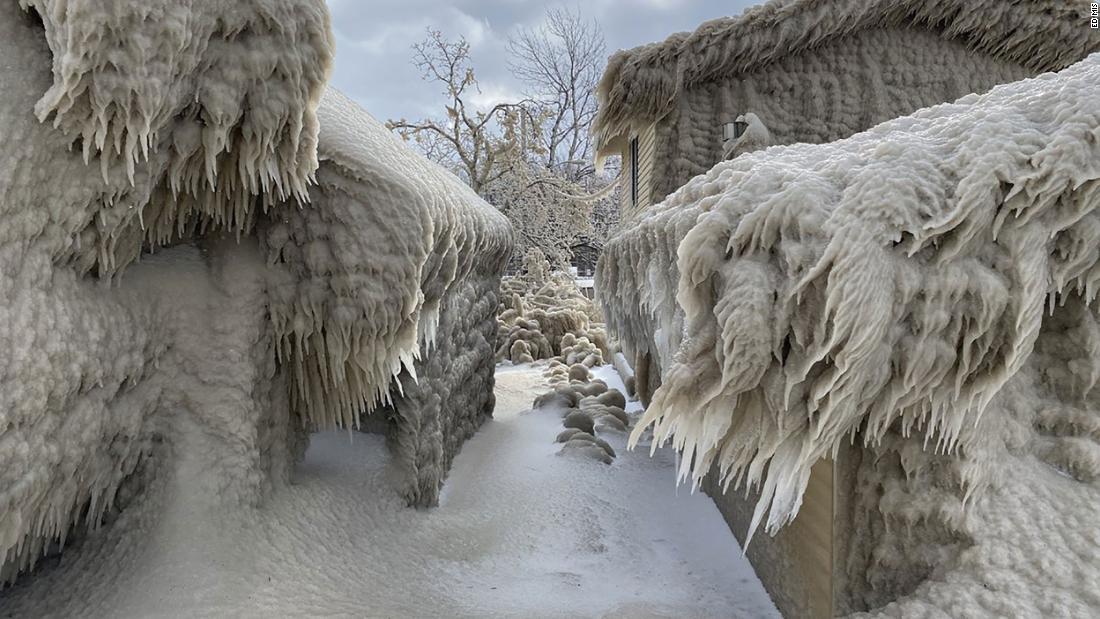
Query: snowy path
point(520, 532)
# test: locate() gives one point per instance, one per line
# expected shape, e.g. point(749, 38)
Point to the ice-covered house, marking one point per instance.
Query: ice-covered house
point(204, 254)
point(813, 71)
point(844, 324)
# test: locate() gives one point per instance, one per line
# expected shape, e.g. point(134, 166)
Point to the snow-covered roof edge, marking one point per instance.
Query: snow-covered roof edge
point(418, 236)
point(642, 83)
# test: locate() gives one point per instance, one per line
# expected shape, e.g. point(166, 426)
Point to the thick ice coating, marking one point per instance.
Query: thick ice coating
point(890, 288)
point(379, 267)
point(215, 101)
point(290, 302)
point(78, 383)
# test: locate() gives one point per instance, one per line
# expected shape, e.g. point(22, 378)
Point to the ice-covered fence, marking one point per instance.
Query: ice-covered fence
point(889, 286)
point(200, 124)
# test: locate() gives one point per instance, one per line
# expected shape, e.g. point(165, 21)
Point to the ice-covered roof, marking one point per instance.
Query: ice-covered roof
point(641, 83)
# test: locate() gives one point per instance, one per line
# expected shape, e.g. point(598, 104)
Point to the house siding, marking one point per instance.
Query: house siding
point(646, 157)
point(797, 565)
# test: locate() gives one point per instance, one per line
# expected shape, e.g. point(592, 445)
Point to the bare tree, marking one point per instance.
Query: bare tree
point(560, 62)
point(530, 158)
point(481, 146)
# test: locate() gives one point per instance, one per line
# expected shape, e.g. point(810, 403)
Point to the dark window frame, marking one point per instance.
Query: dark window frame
point(634, 171)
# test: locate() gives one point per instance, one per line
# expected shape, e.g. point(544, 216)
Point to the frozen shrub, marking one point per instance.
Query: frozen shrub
point(549, 314)
point(585, 449)
point(579, 420)
point(587, 407)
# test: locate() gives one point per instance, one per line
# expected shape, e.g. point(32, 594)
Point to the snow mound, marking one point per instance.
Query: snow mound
point(588, 407)
point(927, 288)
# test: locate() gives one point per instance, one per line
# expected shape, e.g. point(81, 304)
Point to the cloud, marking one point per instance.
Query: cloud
point(384, 40)
point(475, 30)
point(492, 94)
point(662, 5)
point(374, 40)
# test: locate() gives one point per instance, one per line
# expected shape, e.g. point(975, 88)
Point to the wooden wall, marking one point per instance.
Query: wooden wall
point(647, 138)
point(797, 565)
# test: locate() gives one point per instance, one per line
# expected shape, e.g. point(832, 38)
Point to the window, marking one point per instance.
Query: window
point(634, 171)
point(739, 127)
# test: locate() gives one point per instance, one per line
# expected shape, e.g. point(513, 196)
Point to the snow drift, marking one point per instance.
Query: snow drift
point(926, 288)
point(334, 259)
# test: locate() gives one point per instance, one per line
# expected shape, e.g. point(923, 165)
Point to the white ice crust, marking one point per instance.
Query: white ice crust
point(328, 256)
point(927, 288)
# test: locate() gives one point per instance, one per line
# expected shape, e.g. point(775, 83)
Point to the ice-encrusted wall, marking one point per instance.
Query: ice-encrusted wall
point(430, 418)
point(395, 271)
point(823, 94)
point(93, 153)
point(927, 287)
point(820, 71)
point(293, 291)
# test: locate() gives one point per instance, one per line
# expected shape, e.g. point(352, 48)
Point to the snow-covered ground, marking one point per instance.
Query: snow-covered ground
point(520, 532)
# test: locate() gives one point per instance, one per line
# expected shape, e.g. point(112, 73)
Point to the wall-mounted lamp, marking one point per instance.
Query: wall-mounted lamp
point(734, 130)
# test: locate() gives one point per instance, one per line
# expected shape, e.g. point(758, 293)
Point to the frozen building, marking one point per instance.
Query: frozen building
point(814, 71)
point(204, 255)
point(879, 332)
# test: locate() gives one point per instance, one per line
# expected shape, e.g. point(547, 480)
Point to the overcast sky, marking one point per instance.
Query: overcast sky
point(373, 39)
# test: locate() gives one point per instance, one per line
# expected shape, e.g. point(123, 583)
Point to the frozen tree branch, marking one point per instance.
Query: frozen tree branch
point(481, 146)
point(529, 158)
point(560, 63)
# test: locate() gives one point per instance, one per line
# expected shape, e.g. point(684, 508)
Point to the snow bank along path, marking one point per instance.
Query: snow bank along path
point(325, 270)
point(519, 532)
point(928, 289)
